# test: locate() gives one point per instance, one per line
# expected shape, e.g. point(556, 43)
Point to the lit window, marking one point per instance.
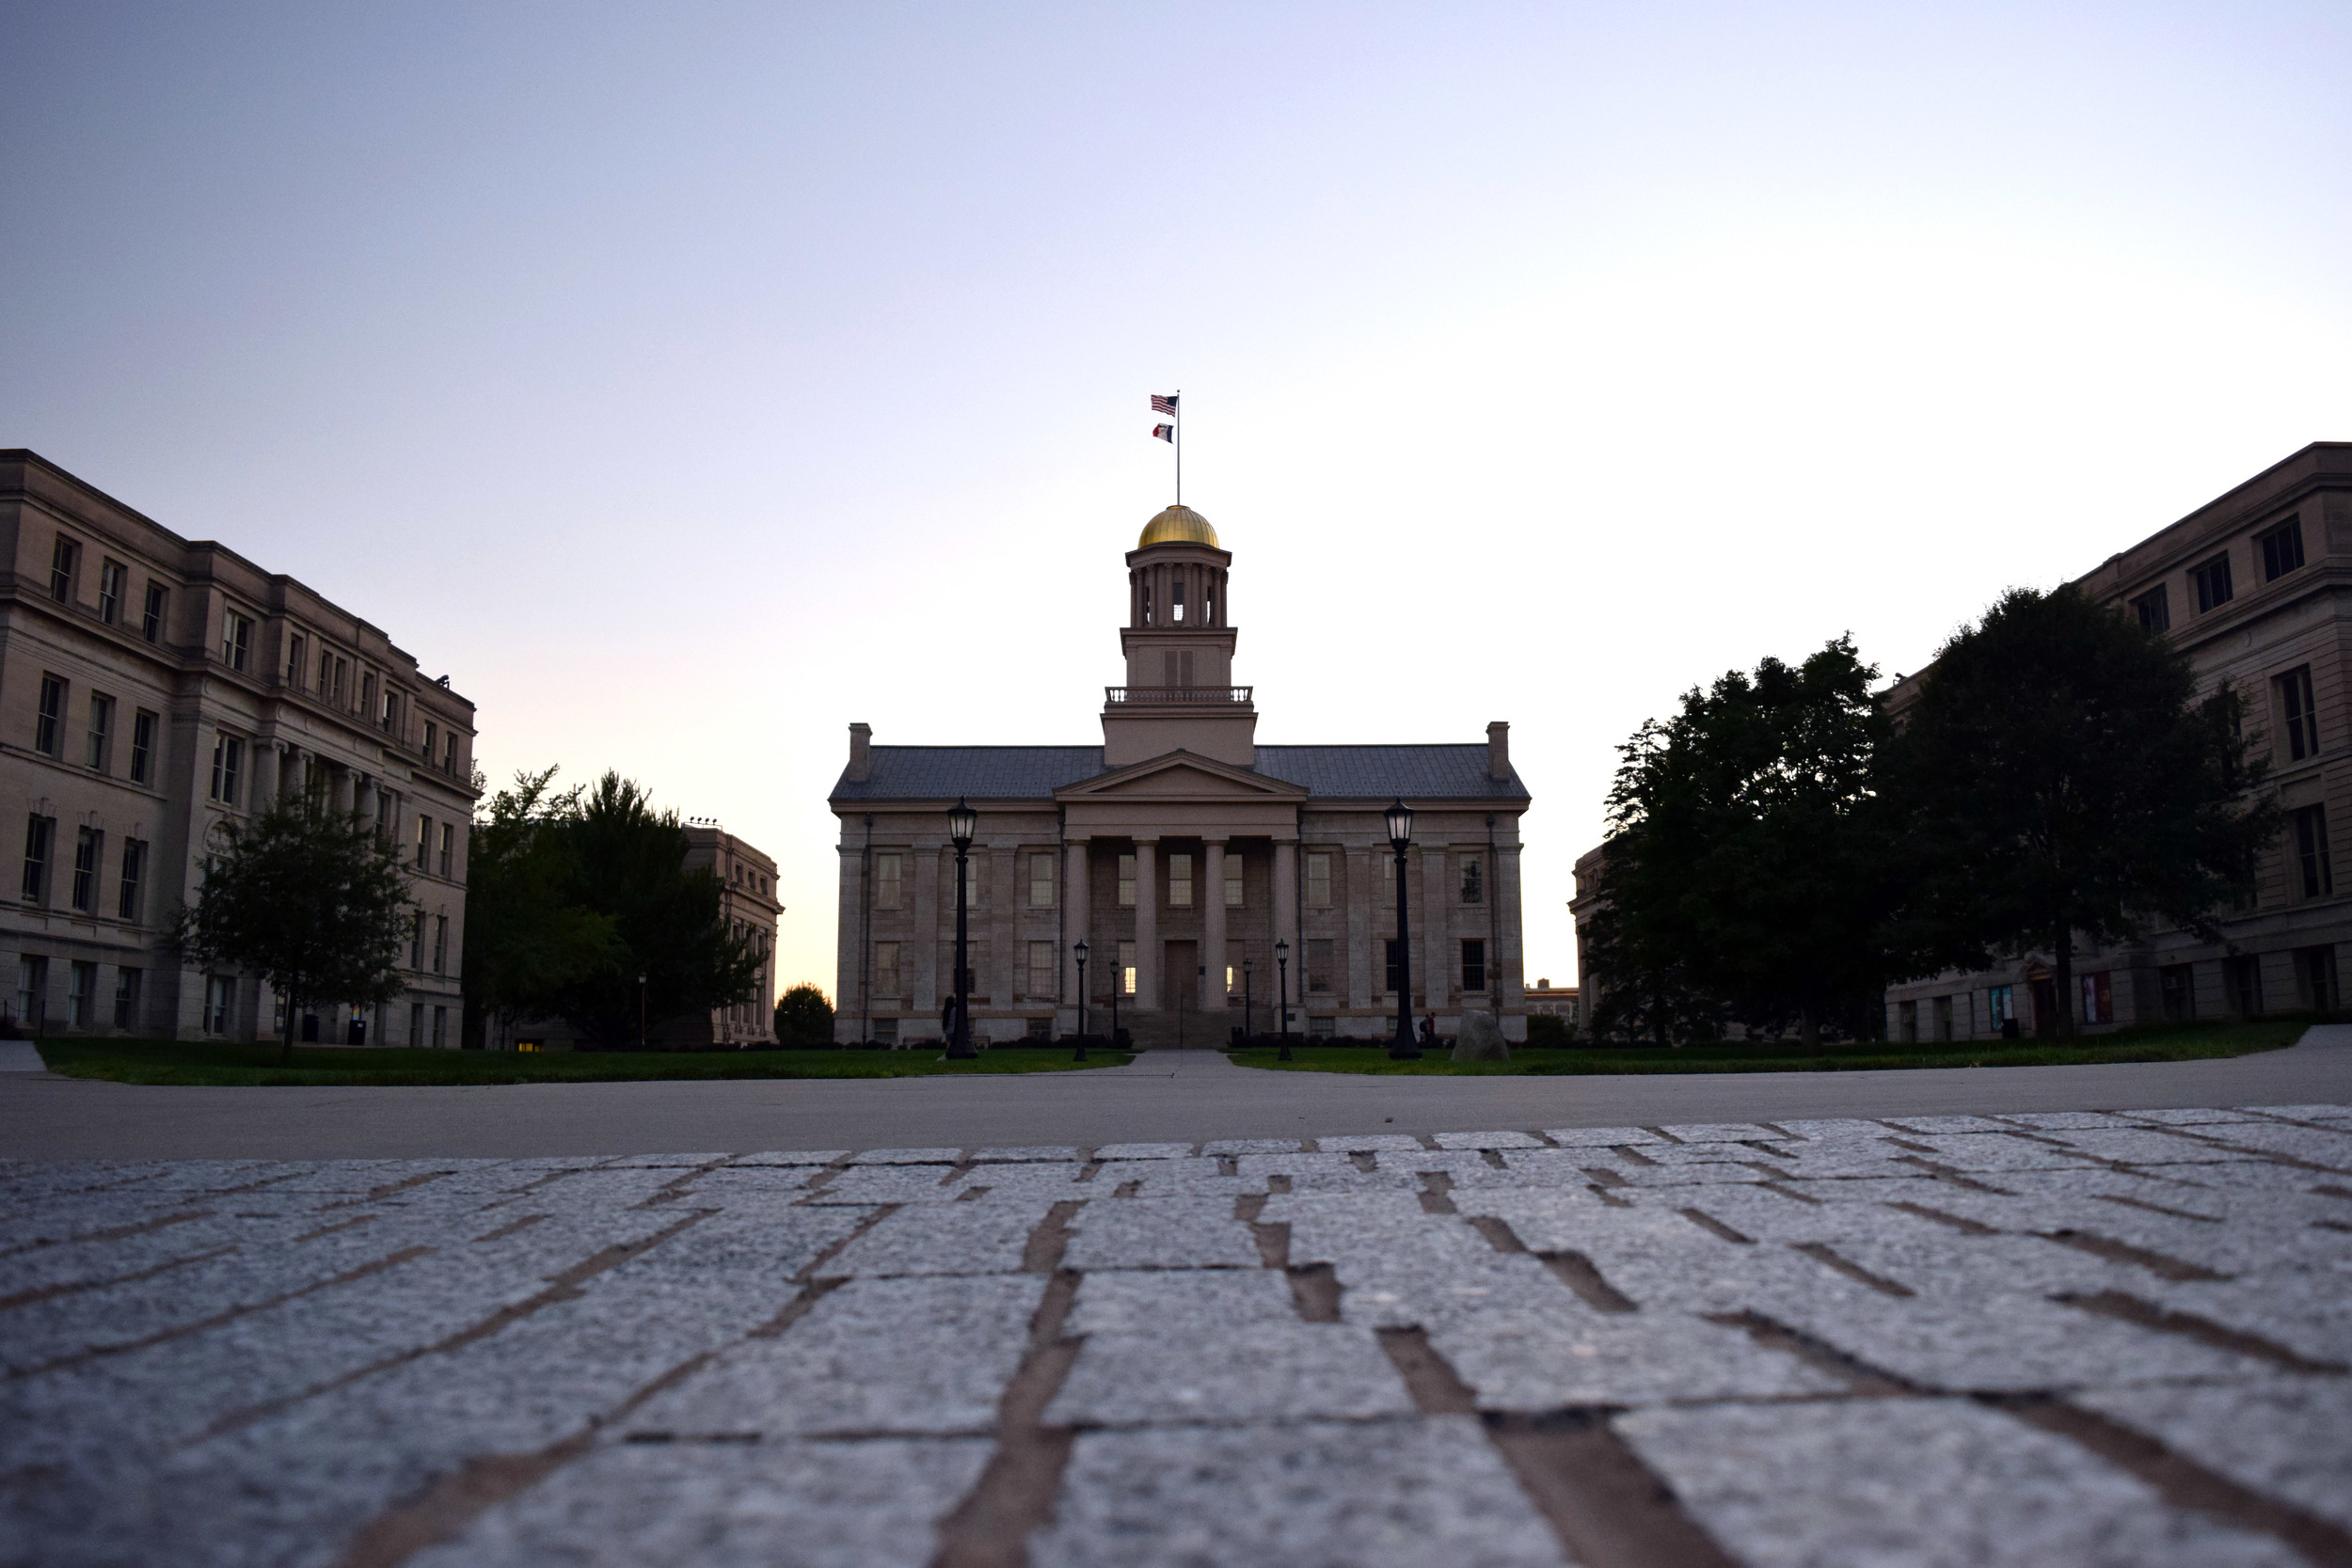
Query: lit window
point(1126, 969)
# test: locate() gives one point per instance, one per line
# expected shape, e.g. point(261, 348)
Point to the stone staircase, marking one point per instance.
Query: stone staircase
point(1161, 1031)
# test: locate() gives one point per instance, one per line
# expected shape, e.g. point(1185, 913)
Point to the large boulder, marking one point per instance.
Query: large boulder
point(1481, 1039)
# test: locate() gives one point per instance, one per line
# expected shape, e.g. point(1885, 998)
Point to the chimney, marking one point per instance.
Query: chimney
point(1497, 750)
point(861, 753)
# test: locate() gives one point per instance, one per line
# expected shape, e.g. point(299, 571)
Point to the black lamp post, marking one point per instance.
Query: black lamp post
point(960, 822)
point(1247, 1017)
point(640, 1006)
point(1282, 968)
point(1399, 817)
point(1080, 948)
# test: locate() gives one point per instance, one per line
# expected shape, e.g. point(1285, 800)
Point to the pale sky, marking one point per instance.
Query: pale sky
point(689, 381)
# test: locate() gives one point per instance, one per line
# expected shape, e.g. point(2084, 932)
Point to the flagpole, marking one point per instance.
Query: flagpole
point(1179, 401)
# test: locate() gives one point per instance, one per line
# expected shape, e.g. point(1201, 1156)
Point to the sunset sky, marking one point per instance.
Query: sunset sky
point(689, 381)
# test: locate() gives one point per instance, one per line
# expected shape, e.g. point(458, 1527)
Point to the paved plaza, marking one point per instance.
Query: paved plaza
point(2043, 1338)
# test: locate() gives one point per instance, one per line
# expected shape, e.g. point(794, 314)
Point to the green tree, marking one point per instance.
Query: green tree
point(804, 1018)
point(2059, 776)
point(1747, 876)
point(525, 940)
point(310, 898)
point(627, 864)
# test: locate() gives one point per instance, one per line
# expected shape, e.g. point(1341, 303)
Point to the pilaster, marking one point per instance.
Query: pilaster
point(1148, 925)
point(1212, 979)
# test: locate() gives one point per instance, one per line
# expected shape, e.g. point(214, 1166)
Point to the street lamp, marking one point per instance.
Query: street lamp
point(960, 822)
point(1080, 948)
point(1246, 1015)
point(1400, 819)
point(641, 1001)
point(1283, 966)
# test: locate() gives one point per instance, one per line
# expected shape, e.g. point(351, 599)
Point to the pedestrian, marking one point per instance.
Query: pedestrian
point(947, 1020)
point(1429, 1030)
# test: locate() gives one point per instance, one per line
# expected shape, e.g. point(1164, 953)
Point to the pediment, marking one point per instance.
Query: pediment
point(1180, 776)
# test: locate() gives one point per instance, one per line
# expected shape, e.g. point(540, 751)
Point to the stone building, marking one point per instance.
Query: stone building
point(153, 689)
point(1181, 850)
point(2257, 585)
point(747, 905)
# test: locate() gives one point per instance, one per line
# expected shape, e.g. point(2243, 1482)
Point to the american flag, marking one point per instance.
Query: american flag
point(1164, 432)
point(1163, 405)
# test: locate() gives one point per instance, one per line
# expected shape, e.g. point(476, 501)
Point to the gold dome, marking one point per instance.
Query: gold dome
point(1178, 525)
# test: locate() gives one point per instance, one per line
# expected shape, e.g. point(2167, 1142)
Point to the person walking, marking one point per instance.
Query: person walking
point(1429, 1031)
point(947, 1020)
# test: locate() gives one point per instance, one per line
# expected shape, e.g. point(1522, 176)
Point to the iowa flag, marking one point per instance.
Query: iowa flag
point(1164, 432)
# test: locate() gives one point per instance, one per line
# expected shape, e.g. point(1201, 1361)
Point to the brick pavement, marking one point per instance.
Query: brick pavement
point(2072, 1337)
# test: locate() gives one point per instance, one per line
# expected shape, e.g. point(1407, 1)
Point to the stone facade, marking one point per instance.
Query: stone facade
point(155, 689)
point(747, 904)
point(1181, 850)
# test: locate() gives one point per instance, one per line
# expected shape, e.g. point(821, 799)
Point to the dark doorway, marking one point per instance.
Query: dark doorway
point(2045, 1013)
point(309, 1029)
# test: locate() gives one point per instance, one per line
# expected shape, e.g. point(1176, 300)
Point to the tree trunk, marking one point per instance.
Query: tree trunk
point(2062, 976)
point(293, 1022)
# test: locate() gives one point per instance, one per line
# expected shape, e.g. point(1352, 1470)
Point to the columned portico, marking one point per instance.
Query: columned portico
point(1212, 896)
point(1146, 925)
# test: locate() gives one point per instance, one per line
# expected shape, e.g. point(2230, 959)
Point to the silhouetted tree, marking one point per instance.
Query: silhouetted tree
point(526, 940)
point(803, 1017)
point(2059, 776)
point(310, 898)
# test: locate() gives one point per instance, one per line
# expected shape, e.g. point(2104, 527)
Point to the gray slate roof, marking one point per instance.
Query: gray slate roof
point(1034, 772)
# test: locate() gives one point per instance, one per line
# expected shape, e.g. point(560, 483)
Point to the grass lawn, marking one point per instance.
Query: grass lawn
point(2159, 1042)
point(200, 1062)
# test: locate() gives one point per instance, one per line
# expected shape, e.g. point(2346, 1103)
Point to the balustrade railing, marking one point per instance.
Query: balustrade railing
point(1133, 694)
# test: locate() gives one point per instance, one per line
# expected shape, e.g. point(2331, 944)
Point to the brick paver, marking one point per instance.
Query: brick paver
point(2059, 1337)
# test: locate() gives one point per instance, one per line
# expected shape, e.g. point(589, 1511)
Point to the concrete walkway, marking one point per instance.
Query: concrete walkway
point(1184, 1097)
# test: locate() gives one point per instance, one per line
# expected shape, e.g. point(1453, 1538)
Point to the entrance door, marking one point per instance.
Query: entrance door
point(2045, 1003)
point(1180, 978)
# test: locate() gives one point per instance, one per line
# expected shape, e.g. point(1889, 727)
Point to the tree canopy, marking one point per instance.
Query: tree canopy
point(310, 898)
point(2061, 776)
point(803, 1017)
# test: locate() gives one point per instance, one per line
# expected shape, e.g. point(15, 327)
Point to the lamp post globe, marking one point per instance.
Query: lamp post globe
point(962, 821)
point(1400, 821)
point(1283, 1003)
point(1079, 948)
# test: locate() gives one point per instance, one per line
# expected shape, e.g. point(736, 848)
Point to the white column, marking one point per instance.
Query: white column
point(1213, 934)
point(1147, 924)
point(1286, 914)
point(1076, 891)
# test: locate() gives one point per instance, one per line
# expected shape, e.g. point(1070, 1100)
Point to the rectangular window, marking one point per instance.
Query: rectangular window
point(2000, 1005)
point(127, 984)
point(1321, 952)
point(384, 803)
point(1176, 603)
point(415, 1024)
point(2155, 608)
point(2316, 972)
point(2213, 583)
point(1126, 969)
point(886, 970)
point(1180, 881)
point(2301, 713)
point(88, 848)
point(1907, 1021)
point(449, 850)
point(2177, 985)
point(49, 720)
point(327, 673)
point(2283, 549)
point(32, 990)
point(152, 613)
point(1042, 881)
point(887, 882)
point(1391, 978)
point(113, 581)
point(228, 764)
point(416, 944)
point(2098, 999)
point(432, 732)
point(1233, 883)
point(424, 840)
point(1236, 963)
point(2242, 982)
point(216, 1004)
point(367, 693)
point(440, 944)
point(389, 716)
point(1126, 881)
point(62, 556)
point(130, 902)
point(294, 664)
point(1473, 879)
point(39, 835)
point(81, 993)
point(1473, 964)
point(449, 753)
point(101, 732)
point(236, 640)
point(143, 747)
point(441, 1028)
point(2311, 852)
point(1041, 977)
point(1318, 881)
